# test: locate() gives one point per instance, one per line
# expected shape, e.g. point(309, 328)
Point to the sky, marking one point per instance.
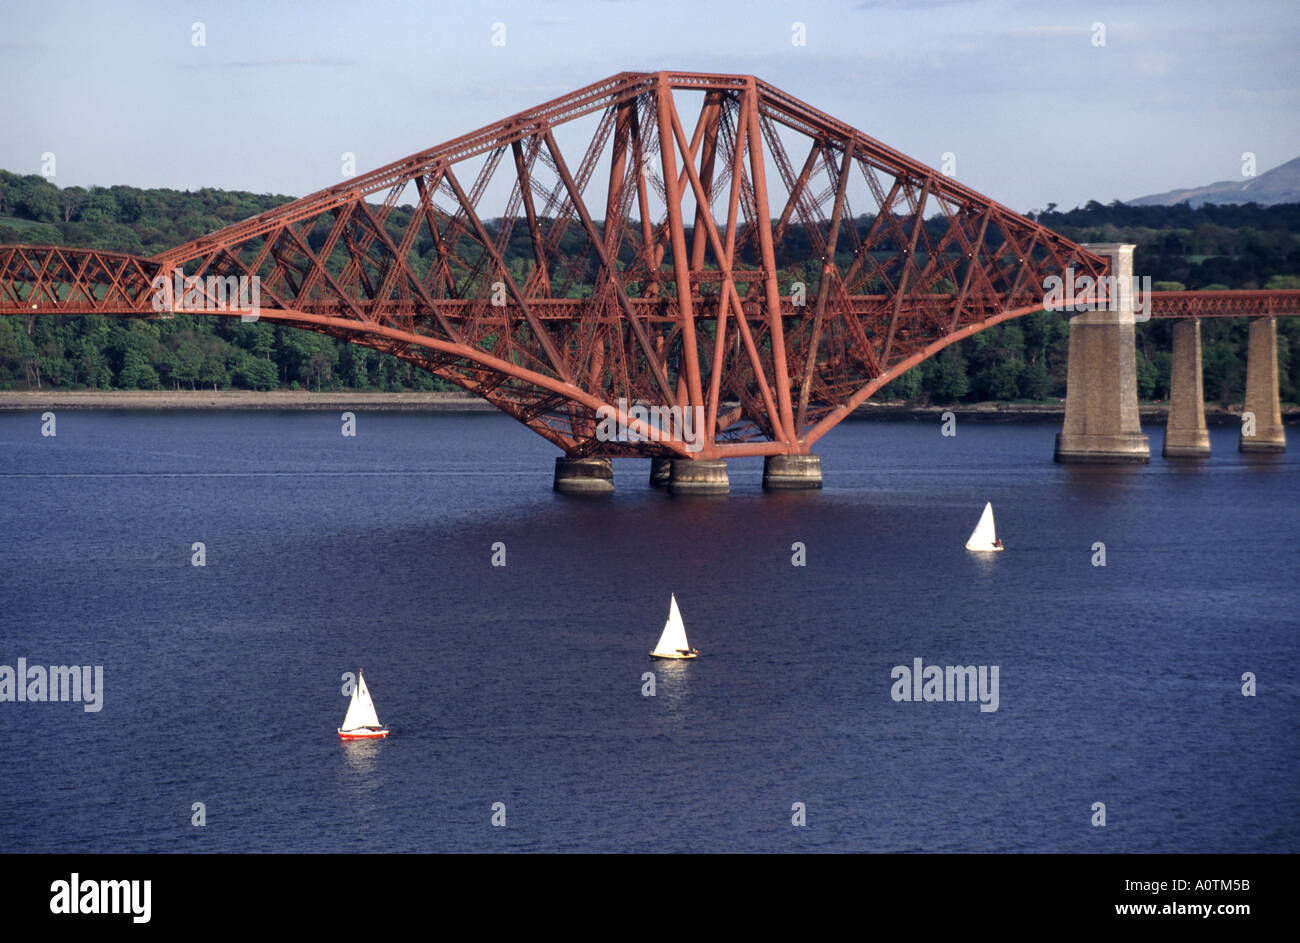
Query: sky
point(1033, 109)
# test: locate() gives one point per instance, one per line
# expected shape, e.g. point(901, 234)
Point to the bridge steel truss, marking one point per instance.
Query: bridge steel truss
point(673, 296)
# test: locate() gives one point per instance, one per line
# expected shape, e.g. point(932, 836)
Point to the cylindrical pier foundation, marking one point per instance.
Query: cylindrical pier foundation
point(792, 472)
point(661, 471)
point(584, 475)
point(695, 476)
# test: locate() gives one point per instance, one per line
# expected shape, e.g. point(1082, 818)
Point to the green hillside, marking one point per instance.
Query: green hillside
point(1231, 246)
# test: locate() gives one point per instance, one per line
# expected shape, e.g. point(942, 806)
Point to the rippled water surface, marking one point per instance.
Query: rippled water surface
point(523, 684)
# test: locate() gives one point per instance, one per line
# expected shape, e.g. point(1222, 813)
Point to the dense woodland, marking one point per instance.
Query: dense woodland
point(1214, 247)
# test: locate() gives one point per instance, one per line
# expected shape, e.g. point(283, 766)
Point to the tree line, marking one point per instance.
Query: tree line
point(1208, 248)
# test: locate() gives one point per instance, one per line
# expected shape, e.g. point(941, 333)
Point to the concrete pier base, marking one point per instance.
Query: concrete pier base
point(792, 472)
point(1101, 414)
point(1261, 390)
point(661, 471)
point(1186, 435)
point(699, 476)
point(584, 475)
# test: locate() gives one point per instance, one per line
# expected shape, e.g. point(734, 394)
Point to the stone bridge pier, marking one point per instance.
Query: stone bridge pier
point(1261, 428)
point(1101, 410)
point(1263, 406)
point(1186, 435)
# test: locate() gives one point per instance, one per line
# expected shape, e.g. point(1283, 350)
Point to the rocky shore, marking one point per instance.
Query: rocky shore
point(1030, 412)
point(241, 399)
point(455, 402)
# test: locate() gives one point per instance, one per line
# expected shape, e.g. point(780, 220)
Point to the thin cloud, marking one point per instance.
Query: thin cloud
point(1128, 31)
point(1155, 63)
point(332, 62)
point(1070, 30)
point(497, 92)
point(913, 4)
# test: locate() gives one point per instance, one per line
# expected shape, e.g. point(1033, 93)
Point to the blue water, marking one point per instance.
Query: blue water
point(522, 684)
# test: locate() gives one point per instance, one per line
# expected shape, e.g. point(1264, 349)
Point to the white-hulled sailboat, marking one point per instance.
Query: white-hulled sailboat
point(984, 537)
point(672, 642)
point(361, 722)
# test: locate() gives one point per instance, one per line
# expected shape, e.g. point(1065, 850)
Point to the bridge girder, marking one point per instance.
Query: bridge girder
point(696, 315)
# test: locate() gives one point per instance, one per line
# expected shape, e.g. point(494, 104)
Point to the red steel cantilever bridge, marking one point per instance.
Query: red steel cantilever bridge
point(685, 307)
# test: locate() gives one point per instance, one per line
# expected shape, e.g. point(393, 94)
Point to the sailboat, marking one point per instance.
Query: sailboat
point(984, 537)
point(672, 643)
point(361, 722)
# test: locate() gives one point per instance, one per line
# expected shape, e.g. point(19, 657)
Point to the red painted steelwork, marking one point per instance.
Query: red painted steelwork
point(675, 298)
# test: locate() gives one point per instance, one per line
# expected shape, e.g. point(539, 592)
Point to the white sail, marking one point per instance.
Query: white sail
point(673, 639)
point(361, 709)
point(984, 536)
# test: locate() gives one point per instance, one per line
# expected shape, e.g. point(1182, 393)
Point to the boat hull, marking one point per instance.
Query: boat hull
point(984, 549)
point(674, 657)
point(362, 734)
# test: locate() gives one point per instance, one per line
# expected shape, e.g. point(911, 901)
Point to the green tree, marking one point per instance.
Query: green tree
point(1147, 376)
point(213, 369)
point(136, 372)
point(1035, 382)
point(907, 387)
point(1004, 380)
point(91, 365)
point(951, 382)
point(37, 199)
point(253, 373)
point(99, 207)
point(189, 362)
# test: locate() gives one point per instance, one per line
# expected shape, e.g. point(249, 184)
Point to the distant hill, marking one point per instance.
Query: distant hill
point(1279, 185)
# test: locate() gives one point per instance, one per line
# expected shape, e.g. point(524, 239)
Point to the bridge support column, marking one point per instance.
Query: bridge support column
point(792, 472)
point(661, 471)
point(584, 475)
point(1186, 435)
point(1261, 391)
point(699, 476)
point(1101, 413)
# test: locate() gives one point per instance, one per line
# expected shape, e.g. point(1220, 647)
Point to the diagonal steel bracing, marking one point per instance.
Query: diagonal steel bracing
point(670, 283)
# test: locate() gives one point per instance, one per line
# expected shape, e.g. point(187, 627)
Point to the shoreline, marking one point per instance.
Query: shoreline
point(241, 399)
point(456, 402)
